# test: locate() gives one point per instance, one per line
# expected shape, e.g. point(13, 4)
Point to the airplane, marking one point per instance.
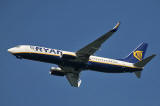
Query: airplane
point(71, 64)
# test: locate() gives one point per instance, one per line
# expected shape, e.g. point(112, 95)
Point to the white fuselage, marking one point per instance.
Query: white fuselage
point(28, 49)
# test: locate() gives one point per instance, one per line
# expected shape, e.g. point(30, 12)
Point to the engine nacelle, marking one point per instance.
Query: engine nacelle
point(57, 71)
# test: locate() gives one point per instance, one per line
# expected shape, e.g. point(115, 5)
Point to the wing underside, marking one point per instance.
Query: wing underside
point(73, 79)
point(72, 75)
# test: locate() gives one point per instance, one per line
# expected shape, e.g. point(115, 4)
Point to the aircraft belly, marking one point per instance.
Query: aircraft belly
point(109, 68)
point(78, 65)
point(51, 59)
point(40, 57)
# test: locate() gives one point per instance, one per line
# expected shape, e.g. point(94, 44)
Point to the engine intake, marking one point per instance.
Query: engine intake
point(57, 71)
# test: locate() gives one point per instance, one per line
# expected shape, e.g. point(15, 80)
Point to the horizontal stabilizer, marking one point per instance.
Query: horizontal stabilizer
point(138, 74)
point(144, 61)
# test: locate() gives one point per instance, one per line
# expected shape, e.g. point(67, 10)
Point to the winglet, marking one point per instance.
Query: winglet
point(116, 27)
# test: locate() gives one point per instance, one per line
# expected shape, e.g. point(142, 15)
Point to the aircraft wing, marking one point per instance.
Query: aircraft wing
point(72, 75)
point(84, 53)
point(73, 79)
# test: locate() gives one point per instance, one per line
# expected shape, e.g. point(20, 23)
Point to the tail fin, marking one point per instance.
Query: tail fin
point(138, 54)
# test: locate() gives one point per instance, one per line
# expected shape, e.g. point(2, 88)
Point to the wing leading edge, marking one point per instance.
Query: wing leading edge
point(84, 53)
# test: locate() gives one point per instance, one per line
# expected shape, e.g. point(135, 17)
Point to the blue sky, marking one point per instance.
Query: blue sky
point(70, 25)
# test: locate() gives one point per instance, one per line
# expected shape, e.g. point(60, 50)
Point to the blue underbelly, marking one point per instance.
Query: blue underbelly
point(40, 57)
point(96, 66)
point(109, 68)
point(51, 59)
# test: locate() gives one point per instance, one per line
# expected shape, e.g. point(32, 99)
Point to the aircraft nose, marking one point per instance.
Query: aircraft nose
point(10, 50)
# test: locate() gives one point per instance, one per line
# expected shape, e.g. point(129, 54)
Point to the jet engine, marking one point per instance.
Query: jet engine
point(57, 71)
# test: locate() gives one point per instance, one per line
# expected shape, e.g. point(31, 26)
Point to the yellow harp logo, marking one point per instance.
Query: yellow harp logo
point(138, 55)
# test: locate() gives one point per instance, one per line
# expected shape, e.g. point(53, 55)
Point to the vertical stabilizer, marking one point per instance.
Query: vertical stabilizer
point(137, 54)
